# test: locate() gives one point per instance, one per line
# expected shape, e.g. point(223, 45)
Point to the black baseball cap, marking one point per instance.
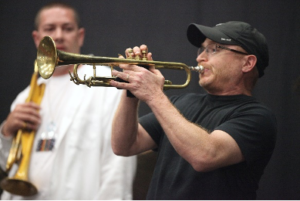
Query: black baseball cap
point(233, 33)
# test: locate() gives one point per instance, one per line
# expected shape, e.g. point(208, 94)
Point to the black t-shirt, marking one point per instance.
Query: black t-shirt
point(252, 125)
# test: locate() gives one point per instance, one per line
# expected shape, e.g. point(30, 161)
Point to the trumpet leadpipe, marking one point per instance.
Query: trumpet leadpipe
point(198, 68)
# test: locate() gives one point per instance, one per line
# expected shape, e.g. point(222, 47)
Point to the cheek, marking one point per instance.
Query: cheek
point(74, 40)
point(218, 73)
point(206, 78)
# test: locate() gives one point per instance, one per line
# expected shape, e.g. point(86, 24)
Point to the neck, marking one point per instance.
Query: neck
point(229, 91)
point(63, 70)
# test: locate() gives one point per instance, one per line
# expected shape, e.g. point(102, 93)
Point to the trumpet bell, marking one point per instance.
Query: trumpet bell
point(46, 57)
point(18, 187)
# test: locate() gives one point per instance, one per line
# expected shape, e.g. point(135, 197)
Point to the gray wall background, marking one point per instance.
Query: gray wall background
point(114, 25)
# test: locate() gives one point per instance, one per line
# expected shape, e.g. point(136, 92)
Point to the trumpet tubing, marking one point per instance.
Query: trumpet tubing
point(20, 151)
point(48, 58)
point(19, 184)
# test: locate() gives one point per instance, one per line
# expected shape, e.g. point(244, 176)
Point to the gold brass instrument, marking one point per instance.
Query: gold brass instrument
point(48, 58)
point(21, 148)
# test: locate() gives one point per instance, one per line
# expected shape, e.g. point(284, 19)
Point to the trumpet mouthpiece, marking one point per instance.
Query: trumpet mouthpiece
point(199, 68)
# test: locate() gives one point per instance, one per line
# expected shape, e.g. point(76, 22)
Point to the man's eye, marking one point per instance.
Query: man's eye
point(211, 50)
point(48, 29)
point(68, 29)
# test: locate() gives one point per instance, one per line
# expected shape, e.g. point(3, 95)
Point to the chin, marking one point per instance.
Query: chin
point(203, 81)
point(202, 84)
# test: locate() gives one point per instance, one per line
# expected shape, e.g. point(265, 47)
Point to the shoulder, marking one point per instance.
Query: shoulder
point(21, 97)
point(251, 106)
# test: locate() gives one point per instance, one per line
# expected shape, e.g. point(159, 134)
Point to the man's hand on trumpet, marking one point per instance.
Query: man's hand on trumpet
point(144, 84)
point(24, 116)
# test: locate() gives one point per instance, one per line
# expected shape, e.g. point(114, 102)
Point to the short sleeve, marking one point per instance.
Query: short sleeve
point(254, 130)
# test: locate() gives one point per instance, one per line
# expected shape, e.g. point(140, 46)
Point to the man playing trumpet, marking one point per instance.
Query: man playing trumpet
point(210, 146)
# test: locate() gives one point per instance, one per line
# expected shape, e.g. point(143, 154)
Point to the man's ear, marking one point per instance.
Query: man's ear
point(36, 38)
point(250, 62)
point(81, 33)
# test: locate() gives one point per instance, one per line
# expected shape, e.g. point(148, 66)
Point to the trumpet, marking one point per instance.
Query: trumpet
point(48, 58)
point(21, 148)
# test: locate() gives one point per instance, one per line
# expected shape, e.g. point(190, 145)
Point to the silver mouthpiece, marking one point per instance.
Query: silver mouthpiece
point(200, 68)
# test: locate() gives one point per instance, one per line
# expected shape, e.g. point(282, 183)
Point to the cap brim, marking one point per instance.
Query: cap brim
point(198, 33)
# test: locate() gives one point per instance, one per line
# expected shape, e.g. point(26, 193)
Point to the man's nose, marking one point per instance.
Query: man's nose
point(202, 57)
point(58, 34)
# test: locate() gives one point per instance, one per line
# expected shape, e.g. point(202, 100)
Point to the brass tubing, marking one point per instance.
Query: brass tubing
point(48, 58)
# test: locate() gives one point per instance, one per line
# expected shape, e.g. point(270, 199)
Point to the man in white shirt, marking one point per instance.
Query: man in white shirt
point(81, 164)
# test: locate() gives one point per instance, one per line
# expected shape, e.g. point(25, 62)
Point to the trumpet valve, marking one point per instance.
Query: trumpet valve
point(129, 54)
point(144, 55)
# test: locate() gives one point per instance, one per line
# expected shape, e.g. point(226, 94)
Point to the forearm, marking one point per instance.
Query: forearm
point(204, 151)
point(188, 139)
point(125, 125)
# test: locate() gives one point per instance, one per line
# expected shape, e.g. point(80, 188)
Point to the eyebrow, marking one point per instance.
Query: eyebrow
point(64, 24)
point(233, 50)
point(209, 43)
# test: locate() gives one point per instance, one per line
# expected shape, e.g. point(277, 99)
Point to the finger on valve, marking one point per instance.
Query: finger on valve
point(129, 53)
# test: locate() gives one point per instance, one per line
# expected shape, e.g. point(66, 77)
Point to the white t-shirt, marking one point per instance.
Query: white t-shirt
point(81, 165)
